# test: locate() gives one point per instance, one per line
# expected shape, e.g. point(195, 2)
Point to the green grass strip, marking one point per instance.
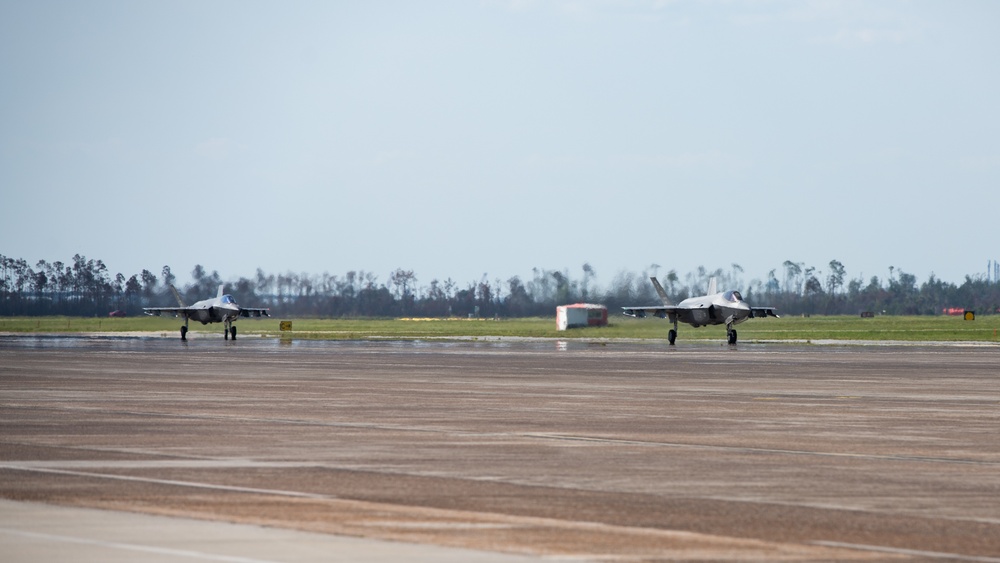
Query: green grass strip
point(984, 328)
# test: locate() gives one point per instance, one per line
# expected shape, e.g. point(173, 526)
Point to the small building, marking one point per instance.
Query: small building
point(580, 315)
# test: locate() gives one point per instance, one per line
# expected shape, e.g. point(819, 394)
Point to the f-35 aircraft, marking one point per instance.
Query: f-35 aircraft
point(727, 307)
point(221, 309)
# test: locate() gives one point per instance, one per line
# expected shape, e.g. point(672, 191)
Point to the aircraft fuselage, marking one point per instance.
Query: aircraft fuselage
point(722, 308)
point(213, 311)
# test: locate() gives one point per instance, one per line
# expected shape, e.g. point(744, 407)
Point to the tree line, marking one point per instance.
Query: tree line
point(86, 287)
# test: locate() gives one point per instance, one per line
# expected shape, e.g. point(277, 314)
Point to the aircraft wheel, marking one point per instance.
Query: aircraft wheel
point(184, 332)
point(233, 331)
point(732, 337)
point(671, 336)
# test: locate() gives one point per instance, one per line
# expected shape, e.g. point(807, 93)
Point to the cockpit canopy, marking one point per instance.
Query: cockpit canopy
point(228, 300)
point(733, 296)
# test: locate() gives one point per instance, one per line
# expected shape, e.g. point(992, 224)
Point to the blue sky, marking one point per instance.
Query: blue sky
point(457, 139)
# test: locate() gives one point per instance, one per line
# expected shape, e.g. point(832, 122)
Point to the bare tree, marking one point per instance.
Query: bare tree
point(836, 278)
point(793, 270)
point(588, 277)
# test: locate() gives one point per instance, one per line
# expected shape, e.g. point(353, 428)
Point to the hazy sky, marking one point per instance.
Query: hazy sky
point(469, 137)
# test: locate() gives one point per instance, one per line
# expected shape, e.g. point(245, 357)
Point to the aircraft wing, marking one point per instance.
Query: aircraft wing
point(254, 312)
point(756, 312)
point(660, 312)
point(176, 311)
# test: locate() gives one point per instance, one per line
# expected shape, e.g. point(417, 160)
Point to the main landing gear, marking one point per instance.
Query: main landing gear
point(228, 331)
point(730, 334)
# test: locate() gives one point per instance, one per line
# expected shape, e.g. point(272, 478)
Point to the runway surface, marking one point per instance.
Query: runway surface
point(547, 450)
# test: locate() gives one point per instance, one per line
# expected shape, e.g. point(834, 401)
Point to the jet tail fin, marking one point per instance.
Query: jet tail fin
point(661, 292)
point(219, 296)
point(177, 296)
point(712, 287)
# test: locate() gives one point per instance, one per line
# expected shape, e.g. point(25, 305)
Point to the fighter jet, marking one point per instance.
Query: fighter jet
point(221, 309)
point(727, 307)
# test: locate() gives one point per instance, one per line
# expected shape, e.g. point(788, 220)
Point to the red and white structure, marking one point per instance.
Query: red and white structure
point(580, 315)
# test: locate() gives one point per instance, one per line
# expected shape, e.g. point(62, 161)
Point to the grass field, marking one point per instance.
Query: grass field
point(933, 329)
